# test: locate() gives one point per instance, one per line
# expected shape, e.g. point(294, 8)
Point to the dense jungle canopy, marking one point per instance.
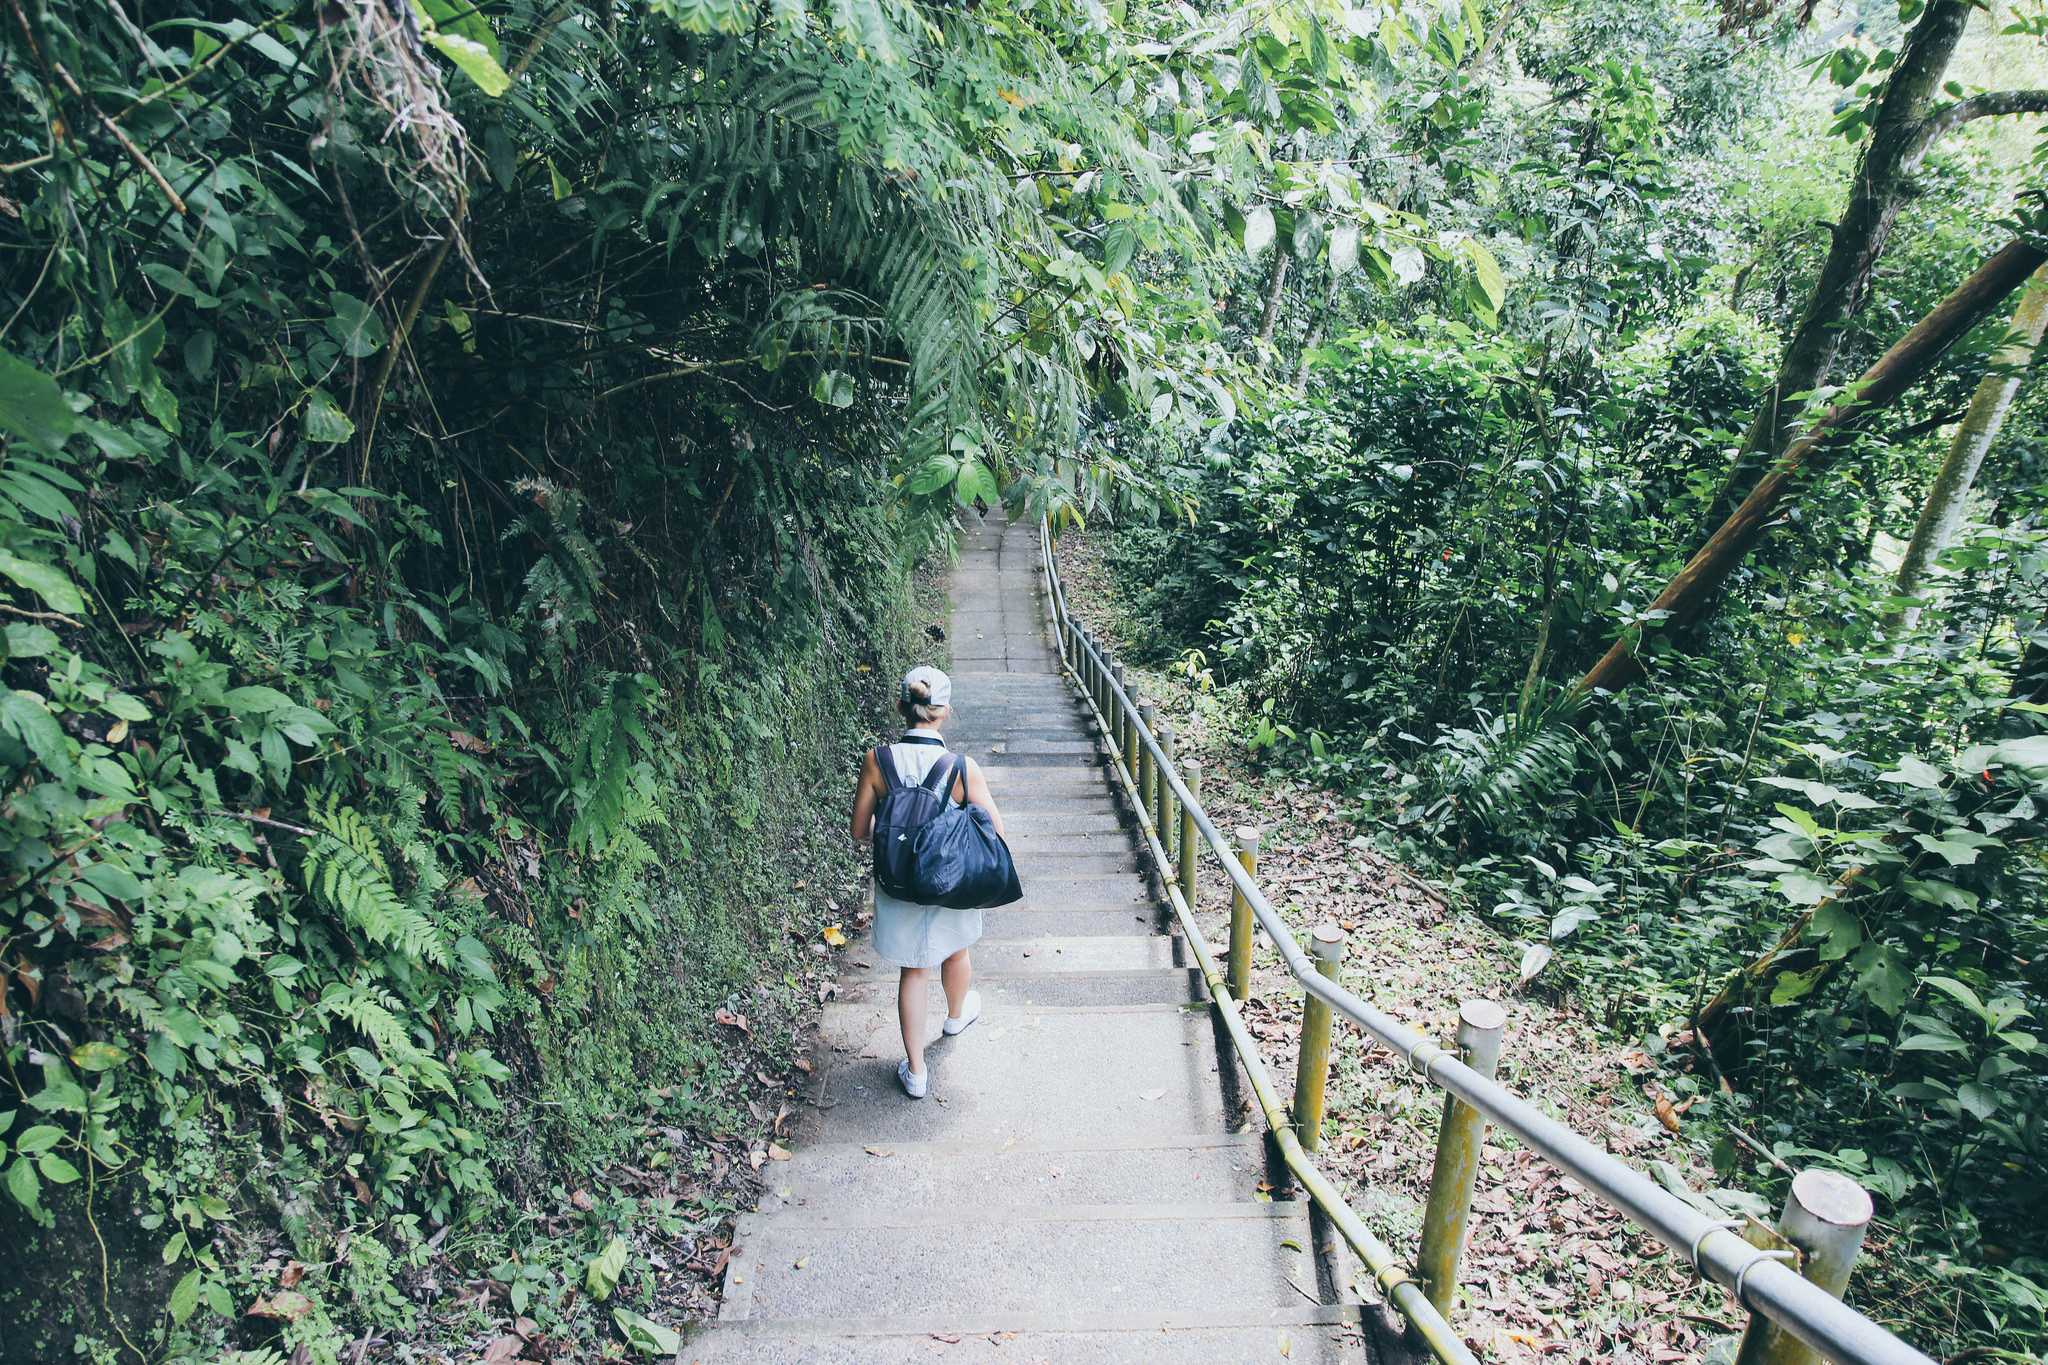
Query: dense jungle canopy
point(465, 467)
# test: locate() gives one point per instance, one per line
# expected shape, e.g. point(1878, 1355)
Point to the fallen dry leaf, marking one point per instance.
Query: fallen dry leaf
point(582, 1200)
point(755, 1159)
point(1151, 1094)
point(731, 1020)
point(878, 1151)
point(1008, 1143)
point(285, 1306)
point(948, 1337)
point(291, 1275)
point(835, 936)
point(801, 1262)
point(777, 1152)
point(526, 1327)
point(801, 1065)
point(504, 1350)
point(1667, 1114)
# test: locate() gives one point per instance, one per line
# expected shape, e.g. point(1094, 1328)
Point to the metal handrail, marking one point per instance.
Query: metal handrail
point(1761, 1283)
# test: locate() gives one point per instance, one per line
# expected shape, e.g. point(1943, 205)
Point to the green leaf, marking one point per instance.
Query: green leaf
point(474, 60)
point(326, 423)
point(32, 405)
point(22, 1183)
point(103, 1056)
point(605, 1269)
point(256, 699)
point(38, 1139)
point(1801, 888)
point(834, 387)
point(1939, 893)
point(46, 581)
point(1978, 1099)
point(1793, 985)
point(125, 707)
point(174, 1248)
point(1932, 1042)
point(1806, 823)
point(185, 1297)
point(647, 1336)
point(1914, 772)
point(56, 1169)
point(355, 326)
point(1487, 270)
point(24, 716)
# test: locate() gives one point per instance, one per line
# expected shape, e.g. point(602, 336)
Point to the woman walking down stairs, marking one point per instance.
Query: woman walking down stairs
point(1072, 1188)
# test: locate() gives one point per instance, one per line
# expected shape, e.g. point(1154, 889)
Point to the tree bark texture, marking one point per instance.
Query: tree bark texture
point(1947, 496)
point(1282, 257)
point(1904, 365)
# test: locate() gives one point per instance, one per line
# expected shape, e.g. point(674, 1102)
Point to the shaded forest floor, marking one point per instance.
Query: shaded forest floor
point(1550, 1272)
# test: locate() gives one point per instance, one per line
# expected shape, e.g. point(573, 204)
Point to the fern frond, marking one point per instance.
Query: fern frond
point(345, 870)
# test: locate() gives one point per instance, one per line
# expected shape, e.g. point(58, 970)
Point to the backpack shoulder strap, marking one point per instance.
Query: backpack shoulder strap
point(940, 779)
point(885, 764)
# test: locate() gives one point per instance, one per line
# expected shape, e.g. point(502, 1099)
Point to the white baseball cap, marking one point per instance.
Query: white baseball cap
point(937, 686)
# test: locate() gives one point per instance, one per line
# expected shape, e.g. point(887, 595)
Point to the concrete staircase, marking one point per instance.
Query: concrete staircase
point(1075, 1189)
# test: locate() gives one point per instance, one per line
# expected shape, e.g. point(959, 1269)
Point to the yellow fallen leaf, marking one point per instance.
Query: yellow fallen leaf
point(1008, 1143)
point(802, 1261)
point(835, 936)
point(1286, 1346)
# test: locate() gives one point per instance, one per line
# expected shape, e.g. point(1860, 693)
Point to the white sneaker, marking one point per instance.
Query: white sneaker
point(914, 1085)
point(970, 1012)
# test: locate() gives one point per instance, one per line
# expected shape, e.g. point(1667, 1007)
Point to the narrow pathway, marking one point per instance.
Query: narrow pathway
point(1073, 1190)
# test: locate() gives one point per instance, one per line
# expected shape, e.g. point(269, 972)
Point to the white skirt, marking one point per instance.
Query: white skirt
point(911, 935)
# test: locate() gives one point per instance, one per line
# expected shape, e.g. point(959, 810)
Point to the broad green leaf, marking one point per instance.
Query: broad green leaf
point(1977, 1099)
point(1793, 985)
point(326, 423)
point(1802, 888)
point(1955, 852)
point(102, 1056)
point(185, 1297)
point(1258, 230)
point(1960, 993)
point(56, 1169)
point(1932, 1042)
point(38, 1139)
point(1939, 893)
point(1914, 772)
point(473, 59)
point(605, 1269)
point(257, 699)
point(1806, 823)
point(27, 718)
point(1487, 270)
point(647, 1336)
point(834, 387)
point(355, 326)
point(1344, 248)
point(22, 1183)
point(174, 1248)
point(47, 581)
point(32, 405)
point(125, 707)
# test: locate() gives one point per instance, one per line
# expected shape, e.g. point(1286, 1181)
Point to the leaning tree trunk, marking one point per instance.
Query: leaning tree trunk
point(1898, 142)
point(1904, 365)
point(1282, 258)
point(1943, 511)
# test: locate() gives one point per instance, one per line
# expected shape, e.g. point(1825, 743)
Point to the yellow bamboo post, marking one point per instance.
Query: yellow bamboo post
point(1459, 1141)
point(1148, 771)
point(1241, 918)
point(1826, 1215)
point(1191, 775)
point(1312, 1070)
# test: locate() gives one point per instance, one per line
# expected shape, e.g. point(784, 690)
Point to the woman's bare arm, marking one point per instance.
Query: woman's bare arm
point(977, 792)
point(865, 796)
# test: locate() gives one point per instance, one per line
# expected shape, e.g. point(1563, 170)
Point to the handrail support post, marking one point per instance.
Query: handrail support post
point(1460, 1140)
point(1826, 1215)
point(1161, 809)
point(1191, 774)
point(1240, 976)
point(1312, 1068)
point(1145, 771)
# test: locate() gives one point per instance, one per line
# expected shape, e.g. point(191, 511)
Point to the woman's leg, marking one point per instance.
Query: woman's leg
point(910, 1012)
point(956, 973)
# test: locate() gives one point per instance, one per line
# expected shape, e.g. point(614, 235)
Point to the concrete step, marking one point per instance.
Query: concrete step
point(1032, 844)
point(1013, 779)
point(1036, 956)
point(1000, 991)
point(1014, 922)
point(1303, 1335)
point(1091, 804)
point(1066, 866)
point(1062, 821)
point(1081, 890)
point(891, 1260)
point(1202, 1168)
point(1026, 1070)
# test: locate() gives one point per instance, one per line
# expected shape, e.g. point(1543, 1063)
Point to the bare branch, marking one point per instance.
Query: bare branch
point(1993, 105)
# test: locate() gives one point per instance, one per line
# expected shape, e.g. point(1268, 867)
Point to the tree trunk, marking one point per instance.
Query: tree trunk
point(1281, 258)
point(1946, 497)
point(1899, 140)
point(1315, 332)
point(1904, 365)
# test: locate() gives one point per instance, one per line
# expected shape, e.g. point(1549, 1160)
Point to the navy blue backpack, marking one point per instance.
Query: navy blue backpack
point(934, 851)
